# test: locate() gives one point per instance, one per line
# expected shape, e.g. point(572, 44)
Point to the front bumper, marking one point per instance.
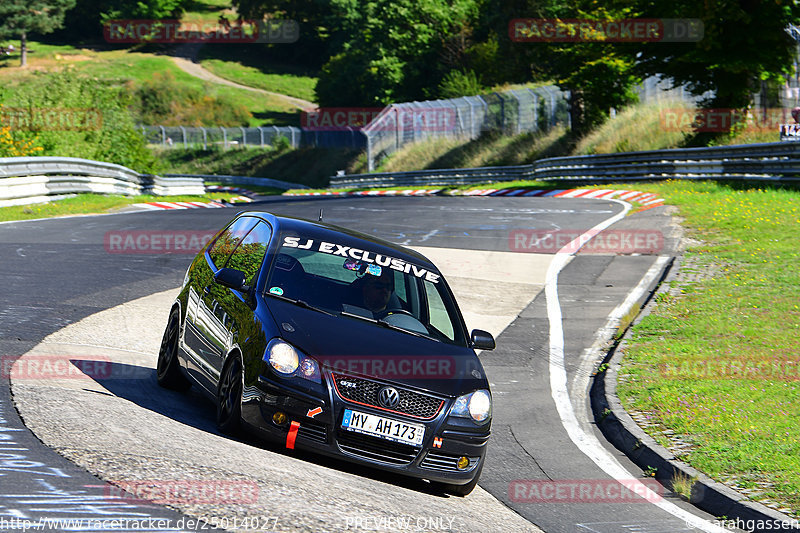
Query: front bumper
point(314, 423)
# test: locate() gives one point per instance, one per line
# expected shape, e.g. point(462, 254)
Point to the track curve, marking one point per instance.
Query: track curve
point(529, 443)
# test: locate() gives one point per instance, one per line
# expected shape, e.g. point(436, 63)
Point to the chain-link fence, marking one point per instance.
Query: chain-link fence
point(511, 112)
point(264, 136)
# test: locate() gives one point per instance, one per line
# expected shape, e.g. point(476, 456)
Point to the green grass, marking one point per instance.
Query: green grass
point(700, 364)
point(84, 204)
point(207, 10)
point(639, 127)
point(246, 64)
point(490, 149)
point(128, 66)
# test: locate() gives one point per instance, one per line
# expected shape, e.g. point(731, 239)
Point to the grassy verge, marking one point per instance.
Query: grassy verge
point(491, 149)
point(639, 127)
point(715, 366)
point(84, 204)
point(134, 68)
point(248, 65)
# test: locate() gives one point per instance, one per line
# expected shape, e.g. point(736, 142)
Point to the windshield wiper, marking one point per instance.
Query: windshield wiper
point(356, 315)
point(382, 322)
point(385, 324)
point(301, 303)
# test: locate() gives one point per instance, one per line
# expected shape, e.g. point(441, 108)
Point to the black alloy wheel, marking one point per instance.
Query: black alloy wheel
point(168, 372)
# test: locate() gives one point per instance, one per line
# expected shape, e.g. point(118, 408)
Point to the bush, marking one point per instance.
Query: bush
point(14, 143)
point(458, 83)
point(281, 143)
point(73, 116)
point(163, 101)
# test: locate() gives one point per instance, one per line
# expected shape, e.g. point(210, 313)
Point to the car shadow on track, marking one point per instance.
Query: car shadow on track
point(138, 384)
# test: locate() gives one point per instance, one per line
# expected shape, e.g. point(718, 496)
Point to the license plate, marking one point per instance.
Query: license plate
point(382, 427)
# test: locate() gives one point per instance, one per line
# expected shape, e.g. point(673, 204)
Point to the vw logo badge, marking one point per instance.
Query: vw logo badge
point(389, 397)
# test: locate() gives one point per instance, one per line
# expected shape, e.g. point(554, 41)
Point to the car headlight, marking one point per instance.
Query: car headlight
point(475, 405)
point(289, 361)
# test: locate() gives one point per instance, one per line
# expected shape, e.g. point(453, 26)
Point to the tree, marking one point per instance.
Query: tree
point(85, 21)
point(599, 74)
point(396, 53)
point(743, 43)
point(325, 25)
point(20, 17)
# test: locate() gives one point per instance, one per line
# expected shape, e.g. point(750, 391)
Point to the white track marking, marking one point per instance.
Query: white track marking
point(586, 442)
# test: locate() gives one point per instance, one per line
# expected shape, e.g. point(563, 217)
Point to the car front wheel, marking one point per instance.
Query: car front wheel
point(168, 372)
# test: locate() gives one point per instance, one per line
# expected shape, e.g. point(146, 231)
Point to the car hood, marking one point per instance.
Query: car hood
point(364, 348)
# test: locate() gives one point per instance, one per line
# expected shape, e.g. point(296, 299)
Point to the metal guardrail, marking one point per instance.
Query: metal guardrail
point(27, 180)
point(767, 162)
point(242, 180)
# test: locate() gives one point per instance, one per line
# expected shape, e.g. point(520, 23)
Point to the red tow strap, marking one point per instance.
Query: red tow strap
point(292, 435)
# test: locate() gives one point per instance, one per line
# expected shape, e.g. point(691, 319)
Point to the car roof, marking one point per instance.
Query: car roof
point(331, 232)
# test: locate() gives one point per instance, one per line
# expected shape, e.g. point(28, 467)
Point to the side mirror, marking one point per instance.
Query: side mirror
point(482, 340)
point(231, 278)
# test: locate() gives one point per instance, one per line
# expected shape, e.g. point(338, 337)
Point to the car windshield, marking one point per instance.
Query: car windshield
point(357, 283)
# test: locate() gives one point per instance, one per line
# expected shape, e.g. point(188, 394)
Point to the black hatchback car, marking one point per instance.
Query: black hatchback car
point(330, 340)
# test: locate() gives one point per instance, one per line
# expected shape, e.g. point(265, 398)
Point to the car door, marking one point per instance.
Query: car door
point(207, 325)
point(233, 308)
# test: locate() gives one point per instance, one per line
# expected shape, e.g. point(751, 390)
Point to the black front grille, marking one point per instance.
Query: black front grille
point(445, 462)
point(313, 431)
point(376, 449)
point(365, 391)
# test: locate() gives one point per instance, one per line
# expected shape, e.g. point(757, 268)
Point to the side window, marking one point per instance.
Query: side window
point(249, 255)
point(229, 239)
point(439, 317)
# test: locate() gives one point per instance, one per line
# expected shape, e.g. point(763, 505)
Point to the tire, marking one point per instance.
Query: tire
point(229, 398)
point(463, 490)
point(168, 368)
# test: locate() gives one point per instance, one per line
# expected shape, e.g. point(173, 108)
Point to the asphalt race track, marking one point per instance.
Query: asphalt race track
point(63, 285)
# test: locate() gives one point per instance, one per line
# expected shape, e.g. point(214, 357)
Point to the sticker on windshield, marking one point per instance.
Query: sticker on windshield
point(276, 290)
point(364, 256)
point(352, 264)
point(375, 270)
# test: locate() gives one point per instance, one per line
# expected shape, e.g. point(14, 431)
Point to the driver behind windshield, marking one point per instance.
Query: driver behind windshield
point(377, 290)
